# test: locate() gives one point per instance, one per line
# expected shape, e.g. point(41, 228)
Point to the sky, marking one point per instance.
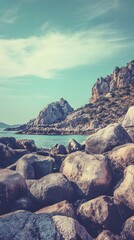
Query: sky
point(58, 48)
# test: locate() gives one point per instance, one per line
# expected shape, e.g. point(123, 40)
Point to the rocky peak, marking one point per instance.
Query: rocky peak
point(54, 113)
point(121, 77)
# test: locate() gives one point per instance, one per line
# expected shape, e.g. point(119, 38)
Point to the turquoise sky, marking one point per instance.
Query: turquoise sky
point(58, 48)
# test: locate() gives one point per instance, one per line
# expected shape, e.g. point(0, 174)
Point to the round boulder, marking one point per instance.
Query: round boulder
point(12, 186)
point(51, 189)
point(33, 166)
point(125, 192)
point(106, 139)
point(101, 213)
point(89, 174)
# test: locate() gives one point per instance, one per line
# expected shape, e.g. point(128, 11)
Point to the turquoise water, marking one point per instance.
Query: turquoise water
point(44, 141)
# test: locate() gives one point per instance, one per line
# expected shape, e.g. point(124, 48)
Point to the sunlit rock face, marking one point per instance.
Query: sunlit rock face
point(54, 113)
point(121, 77)
point(89, 174)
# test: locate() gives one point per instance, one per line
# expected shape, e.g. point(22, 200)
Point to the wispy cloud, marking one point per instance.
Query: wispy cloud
point(95, 9)
point(47, 55)
point(9, 16)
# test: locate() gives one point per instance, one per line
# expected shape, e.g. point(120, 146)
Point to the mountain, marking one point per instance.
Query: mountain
point(111, 98)
point(54, 113)
point(4, 125)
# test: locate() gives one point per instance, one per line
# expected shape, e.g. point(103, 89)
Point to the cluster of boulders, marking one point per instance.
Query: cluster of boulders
point(81, 191)
point(121, 77)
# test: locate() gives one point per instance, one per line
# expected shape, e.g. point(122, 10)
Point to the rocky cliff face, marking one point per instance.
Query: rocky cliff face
point(121, 77)
point(54, 113)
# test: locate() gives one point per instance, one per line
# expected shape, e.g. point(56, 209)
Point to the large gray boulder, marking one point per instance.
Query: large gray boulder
point(25, 225)
point(89, 174)
point(101, 213)
point(54, 113)
point(12, 186)
point(129, 118)
point(33, 166)
point(51, 189)
point(125, 192)
point(106, 139)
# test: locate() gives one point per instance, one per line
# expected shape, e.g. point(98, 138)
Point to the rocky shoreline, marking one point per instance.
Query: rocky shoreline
point(81, 191)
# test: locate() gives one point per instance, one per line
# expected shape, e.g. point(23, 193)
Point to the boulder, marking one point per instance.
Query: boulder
point(58, 149)
point(35, 166)
point(10, 142)
point(121, 157)
point(51, 189)
point(12, 186)
point(63, 208)
point(73, 146)
point(27, 144)
point(101, 213)
point(70, 229)
point(106, 139)
point(107, 235)
point(128, 230)
point(25, 225)
point(129, 118)
point(89, 174)
point(124, 193)
point(7, 155)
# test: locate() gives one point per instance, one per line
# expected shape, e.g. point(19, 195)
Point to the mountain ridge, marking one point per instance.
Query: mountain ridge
point(111, 98)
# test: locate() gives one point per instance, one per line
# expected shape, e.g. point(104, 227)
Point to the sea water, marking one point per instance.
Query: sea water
point(44, 141)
